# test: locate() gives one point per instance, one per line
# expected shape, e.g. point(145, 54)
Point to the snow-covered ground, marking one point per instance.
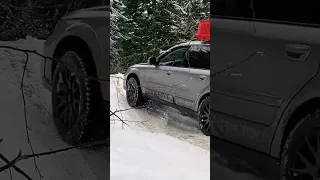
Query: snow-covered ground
point(159, 145)
point(143, 152)
point(156, 145)
point(72, 165)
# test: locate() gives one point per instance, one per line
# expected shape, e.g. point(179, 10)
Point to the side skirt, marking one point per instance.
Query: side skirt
point(243, 159)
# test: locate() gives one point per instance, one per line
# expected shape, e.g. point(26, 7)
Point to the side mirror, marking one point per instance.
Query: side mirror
point(152, 60)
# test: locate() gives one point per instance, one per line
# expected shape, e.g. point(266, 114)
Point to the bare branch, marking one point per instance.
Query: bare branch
point(16, 168)
point(21, 157)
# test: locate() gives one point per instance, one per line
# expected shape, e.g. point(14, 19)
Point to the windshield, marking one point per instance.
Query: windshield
point(163, 53)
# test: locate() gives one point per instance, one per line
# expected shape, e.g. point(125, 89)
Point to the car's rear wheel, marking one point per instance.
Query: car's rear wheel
point(73, 96)
point(204, 116)
point(133, 92)
point(300, 158)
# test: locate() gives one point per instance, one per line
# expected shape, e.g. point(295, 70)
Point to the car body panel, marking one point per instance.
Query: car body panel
point(248, 99)
point(138, 71)
point(310, 91)
point(301, 72)
point(92, 26)
point(158, 82)
point(189, 86)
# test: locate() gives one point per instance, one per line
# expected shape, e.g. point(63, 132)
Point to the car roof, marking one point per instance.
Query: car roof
point(194, 43)
point(189, 43)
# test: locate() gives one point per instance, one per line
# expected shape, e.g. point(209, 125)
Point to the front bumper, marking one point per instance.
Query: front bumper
point(45, 82)
point(124, 83)
point(46, 68)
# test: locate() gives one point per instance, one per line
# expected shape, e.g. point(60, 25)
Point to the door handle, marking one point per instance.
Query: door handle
point(203, 77)
point(297, 52)
point(169, 72)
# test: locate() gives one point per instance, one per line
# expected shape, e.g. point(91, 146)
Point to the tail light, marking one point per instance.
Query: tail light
point(203, 33)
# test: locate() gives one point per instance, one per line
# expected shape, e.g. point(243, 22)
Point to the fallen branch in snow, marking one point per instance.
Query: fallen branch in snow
point(15, 168)
point(21, 157)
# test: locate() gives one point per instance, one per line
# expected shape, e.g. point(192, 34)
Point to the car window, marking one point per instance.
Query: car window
point(298, 11)
point(175, 58)
point(198, 57)
point(231, 8)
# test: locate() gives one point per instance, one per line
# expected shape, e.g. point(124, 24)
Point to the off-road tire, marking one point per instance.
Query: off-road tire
point(139, 100)
point(92, 123)
point(307, 126)
point(205, 102)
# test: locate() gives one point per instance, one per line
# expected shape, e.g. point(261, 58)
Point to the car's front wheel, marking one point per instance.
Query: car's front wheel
point(73, 100)
point(301, 152)
point(133, 92)
point(204, 116)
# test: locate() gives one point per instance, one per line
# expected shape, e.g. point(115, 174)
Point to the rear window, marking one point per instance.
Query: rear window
point(199, 57)
point(231, 8)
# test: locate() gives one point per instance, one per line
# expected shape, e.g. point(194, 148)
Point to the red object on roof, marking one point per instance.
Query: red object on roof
point(203, 33)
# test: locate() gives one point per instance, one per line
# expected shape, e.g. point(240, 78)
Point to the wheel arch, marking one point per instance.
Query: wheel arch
point(78, 45)
point(86, 34)
point(301, 111)
point(76, 29)
point(134, 75)
point(134, 71)
point(303, 104)
point(202, 98)
point(74, 43)
point(205, 93)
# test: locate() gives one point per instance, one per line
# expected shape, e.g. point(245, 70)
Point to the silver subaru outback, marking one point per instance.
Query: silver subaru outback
point(179, 77)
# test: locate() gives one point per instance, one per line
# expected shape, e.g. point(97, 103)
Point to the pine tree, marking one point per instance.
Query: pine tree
point(35, 17)
point(115, 34)
point(155, 24)
point(191, 12)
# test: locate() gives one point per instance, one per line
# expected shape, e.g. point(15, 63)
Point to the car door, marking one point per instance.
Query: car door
point(250, 95)
point(232, 34)
point(194, 76)
point(291, 46)
point(159, 79)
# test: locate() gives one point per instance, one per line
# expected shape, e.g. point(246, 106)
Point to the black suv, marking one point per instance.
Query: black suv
point(265, 85)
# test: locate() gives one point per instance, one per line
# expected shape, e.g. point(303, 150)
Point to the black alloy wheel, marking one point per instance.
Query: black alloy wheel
point(70, 98)
point(204, 116)
point(133, 92)
point(306, 161)
point(300, 158)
